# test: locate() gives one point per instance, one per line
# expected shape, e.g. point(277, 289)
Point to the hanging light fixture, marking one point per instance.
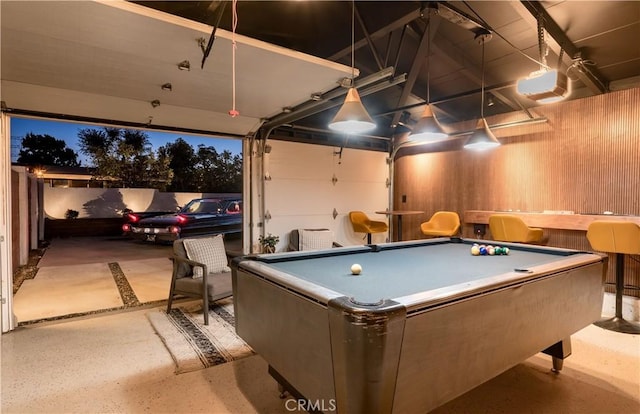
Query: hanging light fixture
point(428, 128)
point(482, 138)
point(352, 118)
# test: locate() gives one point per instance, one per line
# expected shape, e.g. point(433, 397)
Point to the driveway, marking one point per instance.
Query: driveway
point(79, 276)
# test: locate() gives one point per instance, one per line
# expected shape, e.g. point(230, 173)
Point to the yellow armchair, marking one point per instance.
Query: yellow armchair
point(509, 228)
point(441, 224)
point(362, 224)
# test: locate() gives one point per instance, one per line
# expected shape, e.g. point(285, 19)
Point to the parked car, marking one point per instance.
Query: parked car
point(199, 217)
point(134, 217)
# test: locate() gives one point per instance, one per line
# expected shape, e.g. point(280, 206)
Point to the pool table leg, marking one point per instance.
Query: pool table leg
point(559, 351)
point(282, 391)
point(284, 387)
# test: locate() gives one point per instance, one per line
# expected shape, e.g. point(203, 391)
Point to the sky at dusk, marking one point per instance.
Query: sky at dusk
point(68, 131)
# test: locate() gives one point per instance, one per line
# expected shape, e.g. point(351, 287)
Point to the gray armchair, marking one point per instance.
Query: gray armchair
point(211, 286)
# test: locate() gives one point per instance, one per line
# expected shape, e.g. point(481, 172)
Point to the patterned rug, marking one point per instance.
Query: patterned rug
point(195, 346)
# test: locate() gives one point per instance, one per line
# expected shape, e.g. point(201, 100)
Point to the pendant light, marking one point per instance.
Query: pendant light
point(482, 138)
point(352, 118)
point(428, 129)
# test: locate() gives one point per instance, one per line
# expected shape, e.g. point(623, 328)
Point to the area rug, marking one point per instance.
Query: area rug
point(194, 345)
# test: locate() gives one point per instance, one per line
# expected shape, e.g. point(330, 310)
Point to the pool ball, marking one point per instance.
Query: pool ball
point(483, 250)
point(475, 250)
point(506, 250)
point(491, 250)
point(356, 269)
point(498, 250)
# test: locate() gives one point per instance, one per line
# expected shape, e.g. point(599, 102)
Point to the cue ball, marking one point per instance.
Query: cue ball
point(356, 269)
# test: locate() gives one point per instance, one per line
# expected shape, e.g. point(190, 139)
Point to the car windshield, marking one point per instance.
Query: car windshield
point(202, 206)
point(233, 207)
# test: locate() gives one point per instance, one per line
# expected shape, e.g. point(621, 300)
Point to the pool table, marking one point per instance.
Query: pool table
point(423, 323)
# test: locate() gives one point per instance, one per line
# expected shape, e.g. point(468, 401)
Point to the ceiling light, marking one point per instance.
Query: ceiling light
point(352, 117)
point(482, 138)
point(184, 65)
point(428, 129)
point(544, 86)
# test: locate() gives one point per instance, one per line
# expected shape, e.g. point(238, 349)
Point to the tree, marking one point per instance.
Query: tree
point(184, 165)
point(126, 156)
point(218, 173)
point(46, 150)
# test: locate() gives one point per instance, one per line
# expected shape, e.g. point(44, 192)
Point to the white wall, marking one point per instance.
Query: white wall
point(109, 202)
point(301, 194)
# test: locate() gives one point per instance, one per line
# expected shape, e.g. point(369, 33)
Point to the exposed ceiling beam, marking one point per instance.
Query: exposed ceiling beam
point(374, 52)
point(448, 51)
point(393, 26)
point(419, 57)
point(456, 16)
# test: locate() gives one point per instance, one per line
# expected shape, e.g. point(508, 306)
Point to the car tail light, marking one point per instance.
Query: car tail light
point(126, 227)
point(174, 229)
point(133, 218)
point(182, 219)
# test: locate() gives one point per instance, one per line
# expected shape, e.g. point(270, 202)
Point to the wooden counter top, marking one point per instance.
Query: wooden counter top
point(548, 220)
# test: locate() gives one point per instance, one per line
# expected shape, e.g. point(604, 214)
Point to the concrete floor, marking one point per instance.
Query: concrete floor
point(75, 276)
point(113, 362)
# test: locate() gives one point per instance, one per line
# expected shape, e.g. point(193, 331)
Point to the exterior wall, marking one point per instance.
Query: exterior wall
point(20, 225)
point(15, 223)
point(306, 183)
point(110, 202)
point(584, 159)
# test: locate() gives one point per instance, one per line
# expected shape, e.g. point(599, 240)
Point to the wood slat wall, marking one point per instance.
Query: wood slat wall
point(586, 159)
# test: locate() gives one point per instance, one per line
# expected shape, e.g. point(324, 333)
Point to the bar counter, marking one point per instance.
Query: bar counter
point(548, 220)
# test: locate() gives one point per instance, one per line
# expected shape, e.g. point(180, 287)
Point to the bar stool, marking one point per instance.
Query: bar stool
point(510, 228)
point(362, 224)
point(619, 238)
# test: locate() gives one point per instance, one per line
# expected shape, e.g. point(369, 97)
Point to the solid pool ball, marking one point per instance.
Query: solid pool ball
point(483, 250)
point(356, 269)
point(475, 250)
point(498, 251)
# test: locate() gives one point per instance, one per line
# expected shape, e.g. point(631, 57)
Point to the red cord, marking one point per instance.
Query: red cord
point(233, 112)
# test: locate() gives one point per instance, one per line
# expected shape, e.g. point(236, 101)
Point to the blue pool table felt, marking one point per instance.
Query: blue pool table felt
point(394, 273)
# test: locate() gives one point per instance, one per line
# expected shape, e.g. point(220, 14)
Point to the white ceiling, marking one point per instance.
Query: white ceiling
point(108, 59)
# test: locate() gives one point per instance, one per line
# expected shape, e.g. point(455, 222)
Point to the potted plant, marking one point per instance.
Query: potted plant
point(269, 243)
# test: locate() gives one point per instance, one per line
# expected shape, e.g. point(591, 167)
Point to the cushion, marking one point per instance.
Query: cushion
point(209, 251)
point(315, 239)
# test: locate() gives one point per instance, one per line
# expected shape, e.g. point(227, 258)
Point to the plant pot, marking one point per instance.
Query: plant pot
point(268, 249)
